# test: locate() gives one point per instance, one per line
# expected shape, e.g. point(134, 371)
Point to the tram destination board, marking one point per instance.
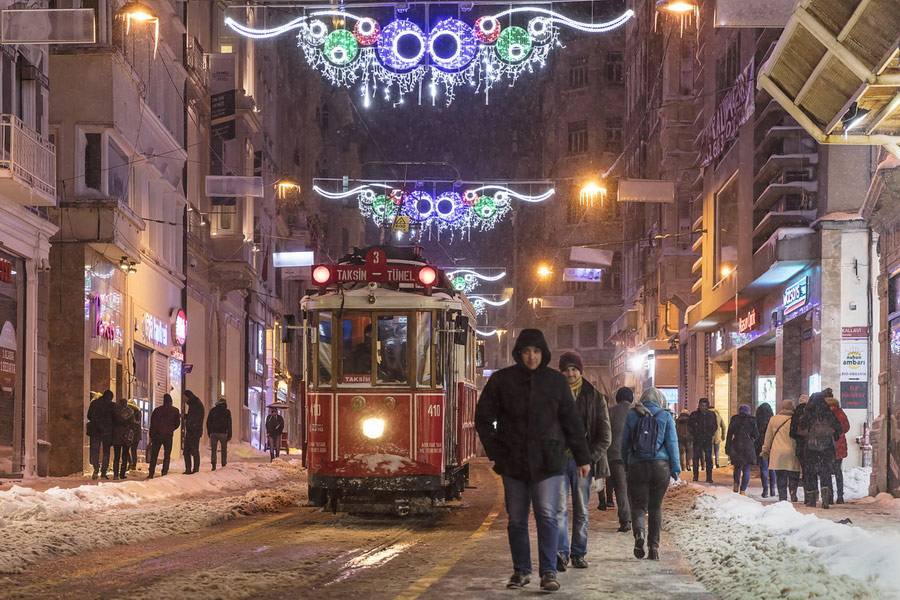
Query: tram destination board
point(386, 274)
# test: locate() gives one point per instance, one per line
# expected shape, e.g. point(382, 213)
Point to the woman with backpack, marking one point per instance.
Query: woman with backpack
point(840, 445)
point(820, 428)
point(122, 436)
point(650, 456)
point(780, 450)
point(740, 446)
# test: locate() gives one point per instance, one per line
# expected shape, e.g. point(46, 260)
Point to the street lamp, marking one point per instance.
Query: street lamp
point(544, 271)
point(679, 7)
point(141, 13)
point(284, 185)
point(590, 192)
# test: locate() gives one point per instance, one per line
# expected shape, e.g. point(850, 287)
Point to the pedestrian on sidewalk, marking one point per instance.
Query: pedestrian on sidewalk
point(767, 476)
point(840, 445)
point(137, 432)
point(218, 427)
point(593, 413)
point(718, 436)
point(617, 478)
point(193, 431)
point(740, 446)
point(164, 420)
point(780, 451)
point(797, 435)
point(99, 431)
point(526, 418)
point(703, 426)
point(650, 454)
point(122, 436)
point(821, 429)
point(685, 441)
point(274, 428)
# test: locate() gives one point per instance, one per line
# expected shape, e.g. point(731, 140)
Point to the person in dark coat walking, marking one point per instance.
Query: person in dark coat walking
point(99, 430)
point(137, 428)
point(193, 431)
point(274, 428)
point(702, 425)
point(840, 445)
point(218, 427)
point(685, 441)
point(740, 446)
point(649, 471)
point(820, 428)
point(594, 415)
point(617, 479)
point(164, 420)
point(764, 414)
point(122, 436)
point(526, 418)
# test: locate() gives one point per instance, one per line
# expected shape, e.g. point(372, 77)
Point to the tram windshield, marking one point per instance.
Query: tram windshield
point(391, 351)
point(356, 358)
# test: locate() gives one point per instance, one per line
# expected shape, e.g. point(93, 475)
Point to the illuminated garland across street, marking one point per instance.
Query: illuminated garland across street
point(466, 280)
point(394, 59)
point(477, 208)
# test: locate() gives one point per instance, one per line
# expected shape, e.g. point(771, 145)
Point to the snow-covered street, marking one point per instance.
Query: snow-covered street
point(244, 531)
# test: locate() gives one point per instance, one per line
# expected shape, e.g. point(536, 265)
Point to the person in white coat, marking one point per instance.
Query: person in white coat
point(780, 450)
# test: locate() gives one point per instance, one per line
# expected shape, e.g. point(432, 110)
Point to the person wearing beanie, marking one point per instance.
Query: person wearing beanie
point(740, 446)
point(593, 413)
point(617, 481)
point(840, 444)
point(780, 452)
point(218, 427)
point(526, 418)
point(650, 462)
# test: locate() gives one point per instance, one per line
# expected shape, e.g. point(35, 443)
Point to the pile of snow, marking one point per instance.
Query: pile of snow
point(245, 450)
point(40, 525)
point(856, 482)
point(733, 540)
point(383, 462)
point(883, 499)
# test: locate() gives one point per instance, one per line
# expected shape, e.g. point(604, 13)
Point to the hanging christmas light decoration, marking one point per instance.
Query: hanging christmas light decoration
point(480, 303)
point(399, 55)
point(466, 280)
point(478, 209)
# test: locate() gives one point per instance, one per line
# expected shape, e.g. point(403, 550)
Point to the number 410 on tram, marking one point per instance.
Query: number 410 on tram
point(389, 361)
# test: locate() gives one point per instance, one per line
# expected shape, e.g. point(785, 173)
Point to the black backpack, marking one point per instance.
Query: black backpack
point(820, 436)
point(645, 434)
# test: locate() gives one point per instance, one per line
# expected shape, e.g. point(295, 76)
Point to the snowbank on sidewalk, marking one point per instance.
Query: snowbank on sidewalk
point(21, 503)
point(844, 549)
point(856, 482)
point(37, 526)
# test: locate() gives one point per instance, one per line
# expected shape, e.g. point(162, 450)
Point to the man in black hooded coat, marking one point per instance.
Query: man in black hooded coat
point(526, 418)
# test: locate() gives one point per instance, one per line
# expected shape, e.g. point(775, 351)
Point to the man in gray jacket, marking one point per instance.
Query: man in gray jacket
point(616, 480)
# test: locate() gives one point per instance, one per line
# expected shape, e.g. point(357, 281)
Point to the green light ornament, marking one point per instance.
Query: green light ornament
point(341, 47)
point(513, 45)
point(485, 207)
point(459, 284)
point(383, 206)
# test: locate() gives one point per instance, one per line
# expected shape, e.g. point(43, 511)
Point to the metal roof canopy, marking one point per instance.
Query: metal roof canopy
point(831, 54)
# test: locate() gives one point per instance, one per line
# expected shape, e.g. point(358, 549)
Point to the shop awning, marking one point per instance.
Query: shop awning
point(835, 70)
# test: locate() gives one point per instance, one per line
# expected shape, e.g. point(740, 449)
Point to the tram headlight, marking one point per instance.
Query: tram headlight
point(373, 428)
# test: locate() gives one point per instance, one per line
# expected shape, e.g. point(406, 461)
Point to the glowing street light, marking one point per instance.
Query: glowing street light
point(285, 185)
point(590, 192)
point(141, 13)
point(544, 271)
point(725, 271)
point(676, 6)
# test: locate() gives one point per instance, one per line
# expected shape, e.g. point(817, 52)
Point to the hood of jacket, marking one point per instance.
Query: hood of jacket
point(764, 411)
point(531, 337)
point(652, 394)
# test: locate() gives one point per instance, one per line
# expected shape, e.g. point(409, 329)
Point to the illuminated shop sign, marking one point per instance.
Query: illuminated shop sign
point(155, 330)
point(102, 308)
point(180, 327)
point(748, 321)
point(582, 274)
point(796, 295)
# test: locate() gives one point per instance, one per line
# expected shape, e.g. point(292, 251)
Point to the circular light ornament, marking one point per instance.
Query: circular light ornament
point(459, 283)
point(397, 196)
point(452, 45)
point(419, 205)
point(366, 31)
point(501, 198)
point(539, 28)
point(450, 207)
point(513, 45)
point(487, 29)
point(485, 208)
point(383, 206)
point(470, 197)
point(340, 48)
point(367, 196)
point(315, 33)
point(373, 428)
point(401, 45)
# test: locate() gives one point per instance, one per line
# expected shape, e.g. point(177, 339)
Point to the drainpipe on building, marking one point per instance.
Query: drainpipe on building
point(246, 394)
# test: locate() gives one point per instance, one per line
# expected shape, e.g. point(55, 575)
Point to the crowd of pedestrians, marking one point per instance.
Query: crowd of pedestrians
point(115, 429)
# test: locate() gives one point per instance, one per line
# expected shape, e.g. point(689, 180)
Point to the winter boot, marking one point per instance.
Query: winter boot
point(812, 499)
point(765, 493)
point(794, 496)
point(639, 545)
point(549, 582)
point(840, 498)
point(96, 473)
point(737, 488)
point(743, 492)
point(826, 497)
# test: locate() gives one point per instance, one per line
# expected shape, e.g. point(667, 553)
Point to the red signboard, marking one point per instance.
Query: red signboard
point(5, 271)
point(376, 270)
point(747, 322)
point(430, 430)
point(860, 332)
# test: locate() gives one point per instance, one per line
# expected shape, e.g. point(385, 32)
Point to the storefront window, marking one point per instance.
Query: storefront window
point(423, 349)
point(356, 349)
point(11, 363)
point(104, 306)
point(391, 350)
point(726, 230)
point(324, 349)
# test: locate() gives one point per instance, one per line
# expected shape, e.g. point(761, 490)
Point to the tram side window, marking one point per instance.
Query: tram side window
point(423, 349)
point(391, 350)
point(324, 349)
point(356, 359)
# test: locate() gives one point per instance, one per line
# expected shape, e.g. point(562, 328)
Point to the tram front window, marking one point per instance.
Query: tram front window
point(391, 350)
point(324, 350)
point(356, 349)
point(423, 349)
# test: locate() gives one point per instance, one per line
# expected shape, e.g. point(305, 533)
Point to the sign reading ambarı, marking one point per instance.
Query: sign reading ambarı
point(854, 360)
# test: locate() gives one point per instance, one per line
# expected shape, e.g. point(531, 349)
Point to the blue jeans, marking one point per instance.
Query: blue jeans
point(742, 475)
point(766, 475)
point(580, 488)
point(520, 496)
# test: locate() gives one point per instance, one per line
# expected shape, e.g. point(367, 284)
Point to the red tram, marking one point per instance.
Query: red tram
point(389, 357)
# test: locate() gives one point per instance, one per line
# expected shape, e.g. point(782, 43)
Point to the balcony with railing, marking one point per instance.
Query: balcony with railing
point(27, 164)
point(196, 62)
